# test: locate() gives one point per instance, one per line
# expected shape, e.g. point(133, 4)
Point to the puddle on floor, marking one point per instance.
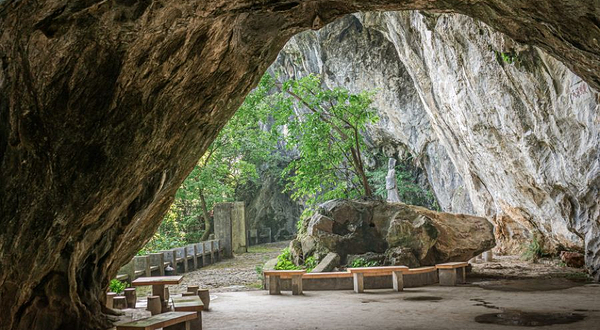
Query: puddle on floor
point(483, 303)
point(529, 285)
point(528, 319)
point(423, 298)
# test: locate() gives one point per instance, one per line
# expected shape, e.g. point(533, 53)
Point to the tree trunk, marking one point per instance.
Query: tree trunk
point(207, 226)
point(106, 106)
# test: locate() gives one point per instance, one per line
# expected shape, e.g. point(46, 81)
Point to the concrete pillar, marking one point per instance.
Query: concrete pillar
point(205, 297)
point(191, 251)
point(119, 302)
point(274, 287)
point(154, 305)
point(448, 277)
point(109, 299)
point(158, 259)
point(297, 284)
point(238, 228)
point(397, 281)
point(359, 282)
point(488, 256)
point(142, 263)
point(129, 270)
point(130, 297)
point(231, 227)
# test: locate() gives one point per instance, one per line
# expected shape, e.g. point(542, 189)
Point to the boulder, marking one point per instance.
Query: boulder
point(401, 256)
point(331, 261)
point(396, 233)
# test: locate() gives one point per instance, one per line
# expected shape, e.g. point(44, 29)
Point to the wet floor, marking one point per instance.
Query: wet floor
point(529, 319)
point(530, 285)
point(423, 298)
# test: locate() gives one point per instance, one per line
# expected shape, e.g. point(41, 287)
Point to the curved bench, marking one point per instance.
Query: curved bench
point(452, 273)
point(396, 272)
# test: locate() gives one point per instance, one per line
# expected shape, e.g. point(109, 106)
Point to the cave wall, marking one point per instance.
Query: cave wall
point(105, 107)
point(503, 129)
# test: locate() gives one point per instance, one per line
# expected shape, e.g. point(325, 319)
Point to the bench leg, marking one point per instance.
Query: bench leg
point(359, 283)
point(274, 287)
point(196, 324)
point(398, 281)
point(296, 284)
point(448, 277)
point(179, 326)
point(461, 275)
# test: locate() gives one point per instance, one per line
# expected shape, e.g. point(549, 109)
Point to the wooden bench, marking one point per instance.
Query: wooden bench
point(396, 272)
point(167, 321)
point(276, 275)
point(452, 273)
point(190, 304)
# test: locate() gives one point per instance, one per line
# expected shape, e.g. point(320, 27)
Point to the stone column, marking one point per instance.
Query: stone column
point(230, 227)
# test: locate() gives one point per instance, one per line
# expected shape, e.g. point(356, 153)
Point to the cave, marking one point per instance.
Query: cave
point(105, 107)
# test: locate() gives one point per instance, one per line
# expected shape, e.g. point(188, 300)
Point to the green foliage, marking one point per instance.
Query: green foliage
point(230, 161)
point(507, 57)
point(533, 251)
point(284, 261)
point(310, 263)
point(117, 286)
point(361, 262)
point(326, 133)
point(259, 271)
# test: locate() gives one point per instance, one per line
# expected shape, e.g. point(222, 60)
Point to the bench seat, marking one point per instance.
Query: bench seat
point(167, 321)
point(276, 275)
point(452, 273)
point(358, 275)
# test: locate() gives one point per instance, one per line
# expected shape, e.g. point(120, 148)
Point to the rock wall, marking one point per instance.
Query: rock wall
point(267, 206)
point(503, 129)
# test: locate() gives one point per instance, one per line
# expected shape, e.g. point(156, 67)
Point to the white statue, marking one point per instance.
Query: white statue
point(390, 182)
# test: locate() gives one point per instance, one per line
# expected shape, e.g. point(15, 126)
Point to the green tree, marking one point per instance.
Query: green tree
point(325, 126)
point(245, 143)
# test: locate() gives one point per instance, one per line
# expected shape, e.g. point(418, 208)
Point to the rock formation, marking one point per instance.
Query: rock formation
point(501, 129)
point(105, 107)
point(402, 232)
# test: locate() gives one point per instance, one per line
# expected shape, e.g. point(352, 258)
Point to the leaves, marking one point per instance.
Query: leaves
point(325, 127)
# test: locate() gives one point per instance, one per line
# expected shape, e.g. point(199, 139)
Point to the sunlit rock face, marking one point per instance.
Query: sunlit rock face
point(502, 129)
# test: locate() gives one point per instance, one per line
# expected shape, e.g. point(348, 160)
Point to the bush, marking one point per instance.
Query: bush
point(117, 286)
point(310, 263)
point(361, 262)
point(533, 251)
point(284, 261)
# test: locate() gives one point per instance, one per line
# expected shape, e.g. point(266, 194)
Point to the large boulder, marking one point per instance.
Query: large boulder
point(404, 233)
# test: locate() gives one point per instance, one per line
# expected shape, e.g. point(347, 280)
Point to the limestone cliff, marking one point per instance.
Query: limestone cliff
point(503, 130)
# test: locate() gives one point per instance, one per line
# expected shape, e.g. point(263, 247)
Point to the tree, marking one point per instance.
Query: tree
point(245, 143)
point(325, 126)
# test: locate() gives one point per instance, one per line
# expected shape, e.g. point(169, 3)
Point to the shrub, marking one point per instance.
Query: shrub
point(533, 251)
point(117, 286)
point(284, 261)
point(310, 263)
point(361, 262)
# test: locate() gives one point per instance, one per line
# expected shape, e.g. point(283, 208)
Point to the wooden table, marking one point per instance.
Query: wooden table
point(158, 286)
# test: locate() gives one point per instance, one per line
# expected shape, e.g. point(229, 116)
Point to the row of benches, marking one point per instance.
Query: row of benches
point(182, 259)
point(187, 315)
point(448, 274)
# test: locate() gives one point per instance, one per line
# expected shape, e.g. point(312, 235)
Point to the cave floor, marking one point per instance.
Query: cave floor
point(431, 307)
point(505, 294)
